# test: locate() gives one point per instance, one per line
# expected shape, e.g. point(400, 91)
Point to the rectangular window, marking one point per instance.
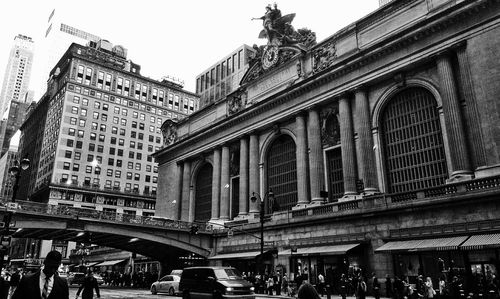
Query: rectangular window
point(88, 76)
point(100, 79)
point(68, 154)
point(69, 142)
point(137, 93)
point(126, 88)
point(107, 84)
point(66, 165)
point(119, 85)
point(82, 122)
point(78, 155)
point(144, 94)
point(72, 120)
point(71, 132)
point(79, 74)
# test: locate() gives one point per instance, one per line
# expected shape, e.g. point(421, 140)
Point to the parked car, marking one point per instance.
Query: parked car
point(75, 278)
point(214, 283)
point(167, 284)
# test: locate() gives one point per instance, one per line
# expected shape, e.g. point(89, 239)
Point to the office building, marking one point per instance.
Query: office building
point(103, 123)
point(375, 150)
point(18, 73)
point(223, 77)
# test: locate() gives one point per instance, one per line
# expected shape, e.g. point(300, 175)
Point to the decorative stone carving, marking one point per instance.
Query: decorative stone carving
point(330, 128)
point(284, 42)
point(234, 103)
point(324, 56)
point(169, 131)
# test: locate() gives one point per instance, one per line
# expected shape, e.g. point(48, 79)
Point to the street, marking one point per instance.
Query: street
point(125, 293)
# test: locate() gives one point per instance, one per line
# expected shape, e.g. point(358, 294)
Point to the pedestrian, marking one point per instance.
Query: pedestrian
point(361, 288)
point(270, 285)
point(443, 288)
point(15, 278)
point(277, 283)
point(321, 284)
point(389, 289)
point(429, 291)
point(88, 285)
point(285, 286)
point(307, 291)
point(344, 283)
point(45, 281)
point(376, 287)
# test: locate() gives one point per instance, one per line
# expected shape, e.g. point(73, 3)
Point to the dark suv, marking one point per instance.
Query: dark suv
point(214, 283)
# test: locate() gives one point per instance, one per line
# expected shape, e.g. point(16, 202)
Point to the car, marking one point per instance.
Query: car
point(214, 283)
point(75, 278)
point(167, 284)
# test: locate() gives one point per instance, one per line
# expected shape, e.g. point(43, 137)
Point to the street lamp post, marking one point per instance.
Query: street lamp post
point(270, 197)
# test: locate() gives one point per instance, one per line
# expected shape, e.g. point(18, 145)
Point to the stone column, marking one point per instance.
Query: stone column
point(186, 188)
point(178, 192)
point(224, 183)
point(478, 154)
point(316, 178)
point(347, 146)
point(302, 174)
point(253, 169)
point(366, 158)
point(243, 177)
point(459, 156)
point(216, 185)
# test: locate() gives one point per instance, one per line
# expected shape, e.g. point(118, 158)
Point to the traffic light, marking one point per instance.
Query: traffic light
point(193, 230)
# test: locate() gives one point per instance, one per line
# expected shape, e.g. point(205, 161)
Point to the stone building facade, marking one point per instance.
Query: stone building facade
point(380, 145)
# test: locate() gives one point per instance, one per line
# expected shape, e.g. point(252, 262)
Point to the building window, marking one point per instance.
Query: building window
point(282, 172)
point(203, 193)
point(100, 79)
point(335, 174)
point(413, 144)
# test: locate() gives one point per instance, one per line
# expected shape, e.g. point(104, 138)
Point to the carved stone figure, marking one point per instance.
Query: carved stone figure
point(169, 131)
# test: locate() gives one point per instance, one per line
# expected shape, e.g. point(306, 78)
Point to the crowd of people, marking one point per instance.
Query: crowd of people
point(138, 279)
point(355, 283)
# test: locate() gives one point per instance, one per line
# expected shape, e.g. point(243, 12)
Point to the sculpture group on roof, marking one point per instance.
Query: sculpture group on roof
point(279, 31)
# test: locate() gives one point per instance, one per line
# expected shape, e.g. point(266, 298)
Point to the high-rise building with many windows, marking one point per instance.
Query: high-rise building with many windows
point(17, 74)
point(103, 122)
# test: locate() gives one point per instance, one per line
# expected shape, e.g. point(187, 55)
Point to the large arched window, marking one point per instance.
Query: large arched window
point(203, 201)
point(413, 144)
point(282, 172)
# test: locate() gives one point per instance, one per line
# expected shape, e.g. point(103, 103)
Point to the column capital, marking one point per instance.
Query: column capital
point(315, 107)
point(461, 45)
point(360, 88)
point(300, 113)
point(344, 95)
point(443, 54)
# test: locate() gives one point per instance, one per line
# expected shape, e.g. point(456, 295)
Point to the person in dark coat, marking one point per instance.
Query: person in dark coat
point(389, 290)
point(88, 285)
point(46, 281)
point(307, 291)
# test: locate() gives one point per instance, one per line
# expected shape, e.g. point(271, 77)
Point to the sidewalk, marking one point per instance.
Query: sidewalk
point(322, 297)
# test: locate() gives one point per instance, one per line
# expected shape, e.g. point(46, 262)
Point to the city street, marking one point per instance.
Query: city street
point(125, 293)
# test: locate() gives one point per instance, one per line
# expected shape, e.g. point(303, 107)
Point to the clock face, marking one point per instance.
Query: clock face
point(270, 56)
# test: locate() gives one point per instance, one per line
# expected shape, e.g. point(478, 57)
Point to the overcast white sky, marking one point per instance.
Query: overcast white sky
point(178, 38)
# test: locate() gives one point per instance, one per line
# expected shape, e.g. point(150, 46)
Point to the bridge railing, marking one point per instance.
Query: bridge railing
point(112, 217)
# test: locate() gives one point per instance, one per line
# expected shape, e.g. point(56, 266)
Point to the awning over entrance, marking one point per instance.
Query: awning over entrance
point(449, 243)
point(109, 263)
point(321, 250)
point(481, 242)
point(92, 264)
point(236, 255)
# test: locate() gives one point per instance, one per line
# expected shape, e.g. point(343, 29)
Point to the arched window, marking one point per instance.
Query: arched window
point(413, 144)
point(203, 201)
point(282, 172)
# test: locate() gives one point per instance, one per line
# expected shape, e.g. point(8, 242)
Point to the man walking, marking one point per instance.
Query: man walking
point(46, 283)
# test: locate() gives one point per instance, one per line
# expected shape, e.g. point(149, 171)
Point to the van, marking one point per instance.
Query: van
point(214, 283)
